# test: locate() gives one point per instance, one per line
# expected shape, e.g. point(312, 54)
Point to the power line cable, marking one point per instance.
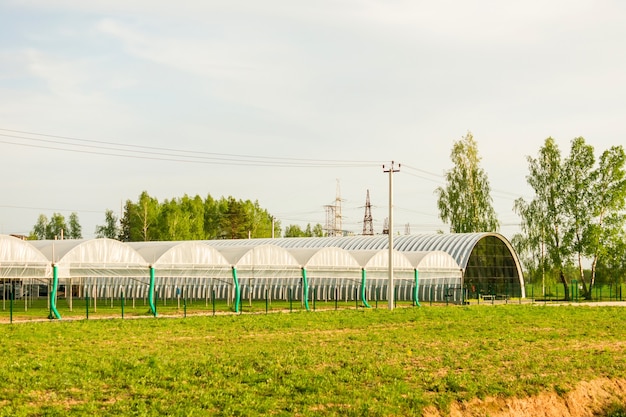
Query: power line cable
point(171, 154)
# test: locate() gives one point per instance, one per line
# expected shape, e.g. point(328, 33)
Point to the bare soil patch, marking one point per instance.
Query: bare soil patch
point(588, 399)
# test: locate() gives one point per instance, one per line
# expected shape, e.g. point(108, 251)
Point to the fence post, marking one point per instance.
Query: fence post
point(11, 296)
point(395, 297)
point(506, 292)
point(377, 295)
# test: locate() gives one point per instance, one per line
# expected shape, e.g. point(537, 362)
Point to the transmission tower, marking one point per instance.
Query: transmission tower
point(333, 216)
point(330, 220)
point(368, 222)
point(407, 229)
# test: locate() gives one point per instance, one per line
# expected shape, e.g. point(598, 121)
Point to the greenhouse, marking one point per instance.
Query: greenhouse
point(439, 268)
point(488, 262)
point(22, 267)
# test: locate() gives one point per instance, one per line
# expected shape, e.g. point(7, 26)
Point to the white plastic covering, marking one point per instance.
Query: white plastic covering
point(183, 259)
point(259, 261)
point(327, 263)
point(325, 259)
point(433, 261)
point(19, 259)
point(264, 256)
point(458, 245)
point(376, 263)
point(93, 258)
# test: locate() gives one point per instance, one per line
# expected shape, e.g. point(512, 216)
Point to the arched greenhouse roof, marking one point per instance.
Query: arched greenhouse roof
point(258, 255)
point(325, 258)
point(458, 245)
point(435, 260)
point(267, 261)
point(379, 259)
point(20, 259)
point(182, 258)
point(92, 258)
point(486, 259)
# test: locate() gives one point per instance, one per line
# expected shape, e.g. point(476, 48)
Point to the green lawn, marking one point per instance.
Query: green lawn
point(346, 362)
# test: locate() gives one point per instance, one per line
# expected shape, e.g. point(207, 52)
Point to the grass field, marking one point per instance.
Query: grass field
point(346, 362)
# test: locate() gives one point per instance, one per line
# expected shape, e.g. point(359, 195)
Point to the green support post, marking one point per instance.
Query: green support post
point(290, 301)
point(54, 313)
point(122, 304)
point(151, 293)
point(266, 302)
point(363, 282)
point(305, 289)
point(87, 306)
point(185, 307)
point(237, 290)
point(416, 289)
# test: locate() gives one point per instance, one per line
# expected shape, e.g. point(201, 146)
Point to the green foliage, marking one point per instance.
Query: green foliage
point(56, 227)
point(194, 218)
point(466, 201)
point(293, 230)
point(366, 362)
point(109, 229)
point(75, 230)
point(576, 213)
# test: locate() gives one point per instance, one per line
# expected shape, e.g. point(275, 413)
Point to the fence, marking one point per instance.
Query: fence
point(556, 292)
point(95, 300)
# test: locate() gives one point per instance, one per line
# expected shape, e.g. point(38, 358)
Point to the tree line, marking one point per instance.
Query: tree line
point(189, 218)
point(184, 218)
point(56, 227)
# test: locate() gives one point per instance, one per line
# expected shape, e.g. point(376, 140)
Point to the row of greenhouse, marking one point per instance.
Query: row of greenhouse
point(437, 267)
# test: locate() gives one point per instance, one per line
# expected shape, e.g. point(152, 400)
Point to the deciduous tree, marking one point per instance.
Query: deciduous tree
point(465, 202)
point(543, 218)
point(109, 229)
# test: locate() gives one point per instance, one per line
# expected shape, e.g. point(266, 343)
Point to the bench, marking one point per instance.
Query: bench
point(493, 297)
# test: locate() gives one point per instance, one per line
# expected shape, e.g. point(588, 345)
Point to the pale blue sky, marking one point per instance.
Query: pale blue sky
point(328, 80)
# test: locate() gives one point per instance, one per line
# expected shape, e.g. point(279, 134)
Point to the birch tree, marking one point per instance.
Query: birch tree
point(544, 216)
point(607, 206)
point(465, 202)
